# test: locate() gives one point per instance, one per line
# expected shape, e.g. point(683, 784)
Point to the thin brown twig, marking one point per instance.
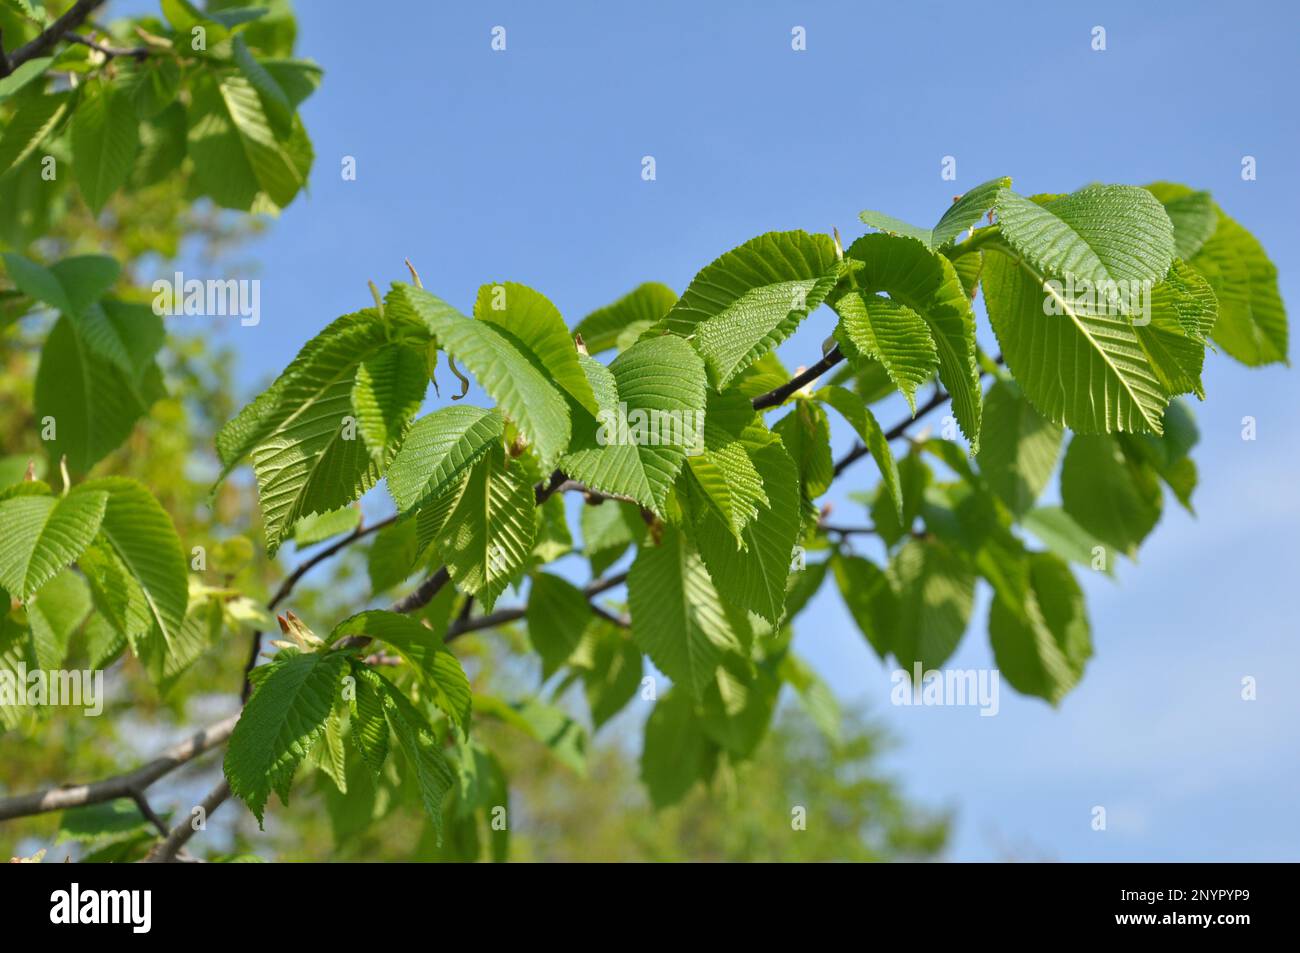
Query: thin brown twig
point(137, 52)
point(149, 813)
point(847, 530)
point(166, 851)
point(71, 19)
point(123, 785)
point(937, 399)
point(777, 396)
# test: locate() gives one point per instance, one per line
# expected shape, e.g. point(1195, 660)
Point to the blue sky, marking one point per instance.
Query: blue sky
point(525, 165)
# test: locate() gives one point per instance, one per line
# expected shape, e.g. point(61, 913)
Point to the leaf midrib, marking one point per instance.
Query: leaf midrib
point(1097, 348)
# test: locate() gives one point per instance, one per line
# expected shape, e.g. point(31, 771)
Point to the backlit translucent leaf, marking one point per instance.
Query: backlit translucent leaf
point(105, 137)
point(926, 283)
point(1042, 643)
point(528, 316)
point(1080, 364)
point(678, 618)
point(503, 365)
point(854, 410)
point(752, 298)
point(875, 329)
point(652, 401)
point(961, 215)
point(43, 534)
point(1109, 495)
point(283, 720)
point(439, 670)
point(1018, 447)
point(644, 305)
point(487, 535)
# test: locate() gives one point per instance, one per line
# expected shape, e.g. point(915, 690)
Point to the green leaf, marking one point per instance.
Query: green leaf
point(85, 279)
point(805, 431)
point(236, 152)
point(322, 526)
point(184, 17)
point(876, 330)
point(386, 396)
point(961, 215)
point(552, 539)
point(105, 137)
point(1183, 310)
point(70, 285)
point(1042, 643)
point(54, 613)
point(329, 755)
point(1109, 495)
point(1058, 531)
point(36, 281)
point(369, 724)
point(1193, 214)
point(487, 535)
point(434, 777)
point(1102, 234)
point(104, 643)
point(394, 556)
point(558, 615)
point(43, 534)
point(199, 632)
point(281, 723)
point(614, 675)
point(916, 278)
point(814, 694)
point(1080, 364)
point(307, 454)
point(764, 375)
point(732, 486)
point(754, 577)
point(23, 75)
point(440, 671)
point(644, 305)
point(1018, 448)
point(325, 360)
point(752, 298)
point(608, 530)
point(678, 617)
point(676, 752)
point(1252, 323)
point(163, 147)
point(151, 85)
point(298, 78)
point(140, 535)
point(528, 316)
point(935, 593)
point(439, 450)
point(652, 400)
point(871, 599)
point(97, 822)
point(128, 335)
point(854, 410)
point(802, 586)
point(1168, 453)
point(547, 724)
point(31, 124)
point(275, 101)
point(503, 365)
point(723, 472)
point(737, 709)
